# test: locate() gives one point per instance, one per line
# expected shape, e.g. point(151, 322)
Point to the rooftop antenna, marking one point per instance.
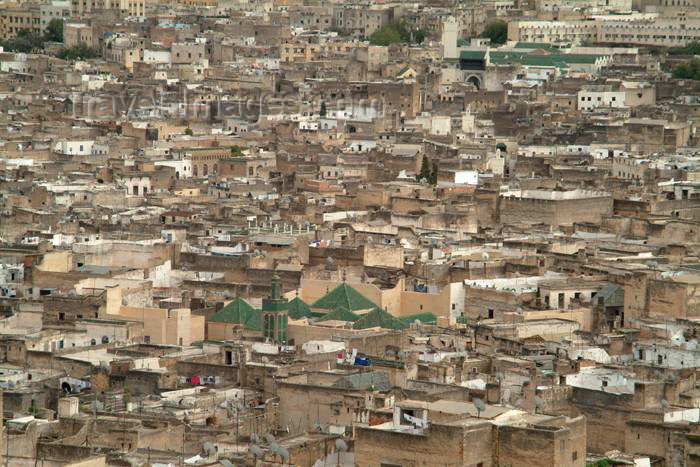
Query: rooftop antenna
point(506, 396)
point(280, 451)
point(209, 450)
point(539, 403)
point(479, 405)
point(340, 446)
point(256, 451)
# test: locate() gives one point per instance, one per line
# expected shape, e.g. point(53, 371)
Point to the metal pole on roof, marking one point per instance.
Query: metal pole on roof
point(7, 445)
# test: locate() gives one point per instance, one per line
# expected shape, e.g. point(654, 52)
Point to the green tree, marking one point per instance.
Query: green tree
point(236, 151)
point(424, 169)
point(386, 35)
point(396, 33)
point(688, 70)
point(188, 131)
point(419, 36)
point(54, 31)
point(497, 31)
point(78, 52)
point(691, 48)
point(323, 110)
point(434, 174)
point(25, 42)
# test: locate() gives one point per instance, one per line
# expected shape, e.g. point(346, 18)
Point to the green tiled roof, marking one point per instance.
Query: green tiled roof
point(472, 54)
point(379, 318)
point(254, 321)
point(562, 61)
point(297, 309)
point(236, 312)
point(533, 45)
point(340, 314)
point(403, 70)
point(344, 296)
point(425, 318)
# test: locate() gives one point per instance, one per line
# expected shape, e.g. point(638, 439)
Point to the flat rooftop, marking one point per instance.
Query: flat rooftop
point(547, 195)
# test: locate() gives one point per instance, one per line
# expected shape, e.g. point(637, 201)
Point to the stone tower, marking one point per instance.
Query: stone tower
point(274, 314)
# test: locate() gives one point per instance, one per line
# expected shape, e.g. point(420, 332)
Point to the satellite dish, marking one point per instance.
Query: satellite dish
point(665, 404)
point(506, 395)
point(479, 405)
point(280, 451)
point(256, 451)
point(341, 445)
point(270, 438)
point(539, 403)
point(209, 449)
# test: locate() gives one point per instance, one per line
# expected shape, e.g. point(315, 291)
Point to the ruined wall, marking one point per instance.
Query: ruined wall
point(561, 212)
point(540, 446)
point(671, 299)
point(380, 255)
point(442, 445)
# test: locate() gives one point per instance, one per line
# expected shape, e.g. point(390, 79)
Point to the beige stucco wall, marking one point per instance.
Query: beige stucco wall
point(583, 316)
point(91, 462)
point(57, 261)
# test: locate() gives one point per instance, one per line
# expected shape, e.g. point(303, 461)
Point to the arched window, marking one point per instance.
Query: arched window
point(105, 340)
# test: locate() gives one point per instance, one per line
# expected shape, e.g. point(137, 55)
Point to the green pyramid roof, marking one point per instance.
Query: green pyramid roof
point(379, 318)
point(344, 296)
point(236, 312)
point(297, 309)
point(340, 314)
point(254, 321)
point(425, 318)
